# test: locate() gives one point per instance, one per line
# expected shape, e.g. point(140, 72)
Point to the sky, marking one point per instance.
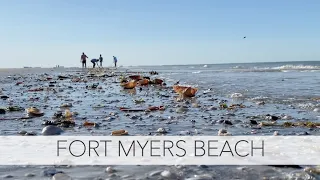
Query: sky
point(46, 33)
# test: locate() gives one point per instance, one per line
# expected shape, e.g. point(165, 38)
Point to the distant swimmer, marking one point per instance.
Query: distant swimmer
point(100, 59)
point(94, 62)
point(84, 60)
point(115, 60)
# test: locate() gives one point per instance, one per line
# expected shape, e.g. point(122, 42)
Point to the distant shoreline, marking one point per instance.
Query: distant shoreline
point(29, 67)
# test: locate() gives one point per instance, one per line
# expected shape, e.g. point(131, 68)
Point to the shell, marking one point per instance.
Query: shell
point(144, 82)
point(34, 111)
point(119, 132)
point(186, 91)
point(129, 85)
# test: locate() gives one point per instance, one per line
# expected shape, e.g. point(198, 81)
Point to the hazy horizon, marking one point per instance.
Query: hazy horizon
point(45, 33)
point(274, 62)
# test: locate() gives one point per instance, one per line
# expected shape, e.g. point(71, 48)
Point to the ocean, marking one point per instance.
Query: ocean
point(276, 82)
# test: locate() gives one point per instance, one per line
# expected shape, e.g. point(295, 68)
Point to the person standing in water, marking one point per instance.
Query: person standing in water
point(84, 60)
point(101, 59)
point(115, 61)
point(94, 62)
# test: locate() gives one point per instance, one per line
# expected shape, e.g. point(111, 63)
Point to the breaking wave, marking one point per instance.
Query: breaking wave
point(297, 67)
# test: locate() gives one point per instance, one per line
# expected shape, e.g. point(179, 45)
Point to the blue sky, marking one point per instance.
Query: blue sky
point(155, 32)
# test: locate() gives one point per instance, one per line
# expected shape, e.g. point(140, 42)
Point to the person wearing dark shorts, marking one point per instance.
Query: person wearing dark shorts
point(84, 60)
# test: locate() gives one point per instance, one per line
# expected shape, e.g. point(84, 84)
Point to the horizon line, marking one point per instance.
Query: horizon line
point(163, 64)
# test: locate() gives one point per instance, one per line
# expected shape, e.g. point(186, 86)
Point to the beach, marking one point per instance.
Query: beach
point(264, 99)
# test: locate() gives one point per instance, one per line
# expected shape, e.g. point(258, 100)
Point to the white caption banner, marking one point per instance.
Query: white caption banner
point(159, 150)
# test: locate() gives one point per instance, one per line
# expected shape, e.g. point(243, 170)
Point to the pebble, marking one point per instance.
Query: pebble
point(161, 130)
point(51, 130)
point(227, 122)
point(261, 103)
point(50, 172)
point(273, 118)
point(254, 122)
point(184, 133)
point(7, 176)
point(112, 113)
point(230, 114)
point(212, 108)
point(302, 133)
point(109, 118)
point(23, 132)
point(155, 173)
point(110, 170)
point(223, 132)
point(134, 117)
point(61, 176)
point(286, 117)
point(195, 105)
point(29, 175)
point(181, 110)
point(167, 174)
point(31, 133)
point(2, 111)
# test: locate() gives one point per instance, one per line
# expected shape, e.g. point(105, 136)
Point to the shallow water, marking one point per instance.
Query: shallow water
point(286, 89)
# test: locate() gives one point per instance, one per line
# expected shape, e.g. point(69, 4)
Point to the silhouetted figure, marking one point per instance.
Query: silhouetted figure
point(100, 59)
point(94, 62)
point(115, 60)
point(84, 60)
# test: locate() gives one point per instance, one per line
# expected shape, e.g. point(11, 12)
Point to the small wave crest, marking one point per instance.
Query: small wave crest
point(237, 95)
point(238, 67)
point(308, 105)
point(297, 67)
point(284, 68)
point(259, 98)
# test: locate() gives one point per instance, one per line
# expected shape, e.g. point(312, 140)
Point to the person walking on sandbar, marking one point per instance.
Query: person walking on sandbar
point(115, 61)
point(84, 60)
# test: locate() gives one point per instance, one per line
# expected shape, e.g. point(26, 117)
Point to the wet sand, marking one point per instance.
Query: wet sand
point(201, 115)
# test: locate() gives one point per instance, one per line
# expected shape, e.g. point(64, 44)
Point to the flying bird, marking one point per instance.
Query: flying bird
point(244, 37)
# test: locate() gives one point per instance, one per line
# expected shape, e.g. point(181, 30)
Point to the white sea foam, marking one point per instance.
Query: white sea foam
point(297, 67)
point(259, 98)
point(307, 105)
point(284, 68)
point(237, 95)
